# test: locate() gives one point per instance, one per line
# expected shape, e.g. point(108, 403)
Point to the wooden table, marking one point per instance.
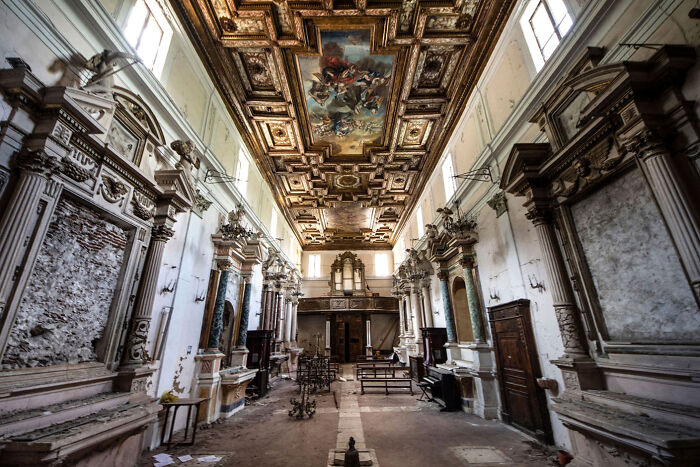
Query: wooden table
point(189, 403)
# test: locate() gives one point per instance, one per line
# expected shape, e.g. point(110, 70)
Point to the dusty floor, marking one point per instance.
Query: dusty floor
point(401, 430)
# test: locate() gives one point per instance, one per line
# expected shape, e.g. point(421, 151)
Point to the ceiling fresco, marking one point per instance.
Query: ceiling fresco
point(346, 105)
point(346, 91)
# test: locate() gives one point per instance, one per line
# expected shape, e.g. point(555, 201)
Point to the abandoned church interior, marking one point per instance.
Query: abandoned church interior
point(349, 232)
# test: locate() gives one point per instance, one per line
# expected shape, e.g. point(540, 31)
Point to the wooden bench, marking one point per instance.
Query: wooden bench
point(378, 364)
point(384, 378)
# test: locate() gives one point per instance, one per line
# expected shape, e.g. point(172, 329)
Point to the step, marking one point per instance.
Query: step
point(30, 388)
point(641, 431)
point(32, 419)
point(79, 435)
point(652, 408)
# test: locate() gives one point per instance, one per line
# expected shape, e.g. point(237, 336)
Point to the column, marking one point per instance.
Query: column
point(217, 319)
point(415, 307)
point(295, 305)
point(447, 304)
point(427, 306)
point(402, 332)
point(562, 295)
point(135, 352)
point(245, 311)
point(278, 318)
point(408, 318)
point(368, 327)
point(473, 300)
point(674, 205)
point(20, 214)
point(288, 321)
point(328, 334)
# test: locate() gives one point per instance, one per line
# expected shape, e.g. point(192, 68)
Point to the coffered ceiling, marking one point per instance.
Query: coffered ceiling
point(346, 105)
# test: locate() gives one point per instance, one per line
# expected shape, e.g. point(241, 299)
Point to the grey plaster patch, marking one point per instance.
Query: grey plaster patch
point(643, 293)
point(481, 455)
point(66, 303)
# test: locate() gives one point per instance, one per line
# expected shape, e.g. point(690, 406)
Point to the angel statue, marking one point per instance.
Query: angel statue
point(103, 65)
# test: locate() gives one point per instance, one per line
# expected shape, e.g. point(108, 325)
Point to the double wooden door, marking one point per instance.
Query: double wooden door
point(348, 336)
point(524, 404)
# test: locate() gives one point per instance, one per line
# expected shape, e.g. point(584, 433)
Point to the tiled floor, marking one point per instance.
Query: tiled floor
point(401, 431)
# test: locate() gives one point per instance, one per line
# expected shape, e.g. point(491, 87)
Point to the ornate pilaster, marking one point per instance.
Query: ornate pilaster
point(22, 211)
point(217, 320)
point(135, 353)
point(562, 295)
point(447, 303)
point(473, 300)
point(673, 201)
point(427, 306)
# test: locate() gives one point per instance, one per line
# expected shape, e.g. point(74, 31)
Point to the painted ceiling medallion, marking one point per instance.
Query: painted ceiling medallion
point(347, 181)
point(345, 105)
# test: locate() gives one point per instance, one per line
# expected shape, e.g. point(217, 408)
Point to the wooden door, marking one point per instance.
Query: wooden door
point(356, 335)
point(523, 401)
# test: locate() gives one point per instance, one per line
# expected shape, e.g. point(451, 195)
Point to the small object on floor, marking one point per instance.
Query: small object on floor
point(162, 460)
point(352, 457)
point(341, 379)
point(209, 458)
point(185, 458)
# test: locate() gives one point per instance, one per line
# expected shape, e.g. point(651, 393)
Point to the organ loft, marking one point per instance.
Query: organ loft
point(400, 233)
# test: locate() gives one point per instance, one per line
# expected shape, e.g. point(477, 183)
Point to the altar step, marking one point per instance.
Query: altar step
point(653, 409)
point(619, 420)
point(115, 430)
point(16, 423)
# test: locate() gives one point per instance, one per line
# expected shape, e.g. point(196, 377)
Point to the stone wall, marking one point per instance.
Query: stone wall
point(67, 301)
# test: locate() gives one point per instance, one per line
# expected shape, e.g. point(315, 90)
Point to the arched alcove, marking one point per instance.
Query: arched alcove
point(461, 311)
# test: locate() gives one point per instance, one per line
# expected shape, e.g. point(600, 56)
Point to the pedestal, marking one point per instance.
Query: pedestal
point(485, 390)
point(453, 353)
point(293, 363)
point(208, 379)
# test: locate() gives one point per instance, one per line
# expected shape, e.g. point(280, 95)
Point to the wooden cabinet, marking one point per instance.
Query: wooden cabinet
point(434, 351)
point(259, 344)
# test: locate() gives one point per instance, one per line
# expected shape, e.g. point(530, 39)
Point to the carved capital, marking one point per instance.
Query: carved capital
point(540, 215)
point(443, 275)
point(467, 262)
point(38, 162)
point(161, 233)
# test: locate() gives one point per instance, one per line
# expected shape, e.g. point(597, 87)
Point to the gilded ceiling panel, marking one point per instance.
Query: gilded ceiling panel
point(345, 104)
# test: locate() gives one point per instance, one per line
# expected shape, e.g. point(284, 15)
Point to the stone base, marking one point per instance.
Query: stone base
point(453, 352)
point(367, 457)
point(133, 379)
point(239, 357)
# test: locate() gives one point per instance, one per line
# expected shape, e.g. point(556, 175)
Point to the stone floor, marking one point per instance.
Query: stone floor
point(397, 429)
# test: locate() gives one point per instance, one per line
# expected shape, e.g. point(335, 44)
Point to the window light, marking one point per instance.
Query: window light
point(544, 24)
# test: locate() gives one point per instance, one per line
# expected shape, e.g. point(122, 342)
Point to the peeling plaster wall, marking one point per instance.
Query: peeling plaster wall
point(622, 234)
point(57, 321)
point(308, 326)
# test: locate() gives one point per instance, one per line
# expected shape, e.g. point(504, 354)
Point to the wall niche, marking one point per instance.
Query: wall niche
point(66, 303)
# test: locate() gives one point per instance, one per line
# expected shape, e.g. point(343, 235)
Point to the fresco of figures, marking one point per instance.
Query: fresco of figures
point(346, 90)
